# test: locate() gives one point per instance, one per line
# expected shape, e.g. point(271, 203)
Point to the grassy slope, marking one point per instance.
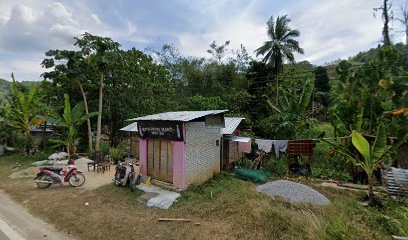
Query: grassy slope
point(235, 211)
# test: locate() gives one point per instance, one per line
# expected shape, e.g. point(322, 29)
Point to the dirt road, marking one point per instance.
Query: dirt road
point(17, 224)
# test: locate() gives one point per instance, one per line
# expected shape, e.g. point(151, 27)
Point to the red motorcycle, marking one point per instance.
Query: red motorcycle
point(50, 175)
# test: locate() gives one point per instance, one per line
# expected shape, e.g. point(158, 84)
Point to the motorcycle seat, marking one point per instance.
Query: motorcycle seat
point(57, 170)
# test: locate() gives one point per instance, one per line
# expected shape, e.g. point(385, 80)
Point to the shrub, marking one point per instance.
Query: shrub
point(278, 166)
point(104, 147)
point(117, 154)
point(330, 166)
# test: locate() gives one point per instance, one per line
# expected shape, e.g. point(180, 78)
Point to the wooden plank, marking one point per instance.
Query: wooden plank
point(174, 220)
point(163, 160)
point(169, 162)
point(156, 166)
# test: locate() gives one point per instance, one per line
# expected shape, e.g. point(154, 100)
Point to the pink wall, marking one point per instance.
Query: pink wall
point(143, 156)
point(178, 165)
point(178, 162)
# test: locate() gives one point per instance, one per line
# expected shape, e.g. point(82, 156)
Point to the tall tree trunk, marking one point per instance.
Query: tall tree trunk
point(99, 124)
point(278, 69)
point(114, 112)
point(386, 33)
point(88, 121)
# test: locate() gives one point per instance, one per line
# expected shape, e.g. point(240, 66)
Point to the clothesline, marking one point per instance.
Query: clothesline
point(331, 138)
point(279, 145)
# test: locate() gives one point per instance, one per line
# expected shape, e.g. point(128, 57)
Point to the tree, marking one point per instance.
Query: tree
point(94, 49)
point(289, 119)
point(200, 103)
point(21, 112)
point(291, 101)
point(70, 120)
point(72, 70)
point(281, 45)
point(384, 9)
point(136, 86)
point(218, 52)
point(322, 79)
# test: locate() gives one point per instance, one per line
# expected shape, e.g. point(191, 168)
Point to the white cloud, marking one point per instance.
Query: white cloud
point(29, 29)
point(333, 29)
point(329, 29)
point(23, 67)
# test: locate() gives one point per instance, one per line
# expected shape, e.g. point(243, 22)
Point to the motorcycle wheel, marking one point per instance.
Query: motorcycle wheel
point(76, 180)
point(132, 184)
point(44, 178)
point(117, 180)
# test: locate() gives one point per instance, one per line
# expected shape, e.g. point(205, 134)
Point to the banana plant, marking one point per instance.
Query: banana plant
point(70, 120)
point(289, 102)
point(371, 155)
point(21, 112)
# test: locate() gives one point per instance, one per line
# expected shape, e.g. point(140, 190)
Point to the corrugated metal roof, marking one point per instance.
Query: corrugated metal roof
point(178, 116)
point(130, 128)
point(239, 139)
point(231, 123)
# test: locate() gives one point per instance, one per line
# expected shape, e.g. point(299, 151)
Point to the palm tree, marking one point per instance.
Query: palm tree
point(71, 119)
point(281, 45)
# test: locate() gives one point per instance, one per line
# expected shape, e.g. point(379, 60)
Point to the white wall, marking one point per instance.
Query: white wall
point(202, 155)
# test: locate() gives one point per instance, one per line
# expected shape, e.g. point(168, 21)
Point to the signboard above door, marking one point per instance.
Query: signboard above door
point(166, 130)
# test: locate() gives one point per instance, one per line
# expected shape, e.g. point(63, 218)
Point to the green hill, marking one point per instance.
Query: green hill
point(5, 87)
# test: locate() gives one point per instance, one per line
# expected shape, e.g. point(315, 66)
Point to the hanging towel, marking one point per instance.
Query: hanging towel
point(244, 147)
point(264, 145)
point(280, 146)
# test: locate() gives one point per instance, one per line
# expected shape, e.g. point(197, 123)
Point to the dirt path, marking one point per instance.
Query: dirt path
point(17, 224)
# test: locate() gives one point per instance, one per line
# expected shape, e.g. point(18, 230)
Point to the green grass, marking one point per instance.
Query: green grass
point(225, 207)
point(345, 218)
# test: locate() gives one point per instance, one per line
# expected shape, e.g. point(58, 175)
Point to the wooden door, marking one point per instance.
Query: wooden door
point(160, 160)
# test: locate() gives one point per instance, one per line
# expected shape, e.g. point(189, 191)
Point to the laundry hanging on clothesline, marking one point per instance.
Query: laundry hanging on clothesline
point(266, 145)
point(280, 146)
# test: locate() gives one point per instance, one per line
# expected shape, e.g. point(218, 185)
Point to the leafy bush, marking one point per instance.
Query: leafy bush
point(39, 156)
point(278, 166)
point(117, 154)
point(327, 166)
point(104, 147)
point(244, 163)
point(19, 141)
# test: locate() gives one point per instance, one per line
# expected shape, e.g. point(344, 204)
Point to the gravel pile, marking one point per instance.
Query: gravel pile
point(293, 192)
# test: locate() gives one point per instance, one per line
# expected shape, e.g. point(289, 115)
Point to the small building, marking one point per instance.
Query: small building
point(178, 149)
point(232, 142)
point(47, 129)
point(133, 139)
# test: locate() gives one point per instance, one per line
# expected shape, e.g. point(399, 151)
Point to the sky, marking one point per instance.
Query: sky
point(330, 29)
